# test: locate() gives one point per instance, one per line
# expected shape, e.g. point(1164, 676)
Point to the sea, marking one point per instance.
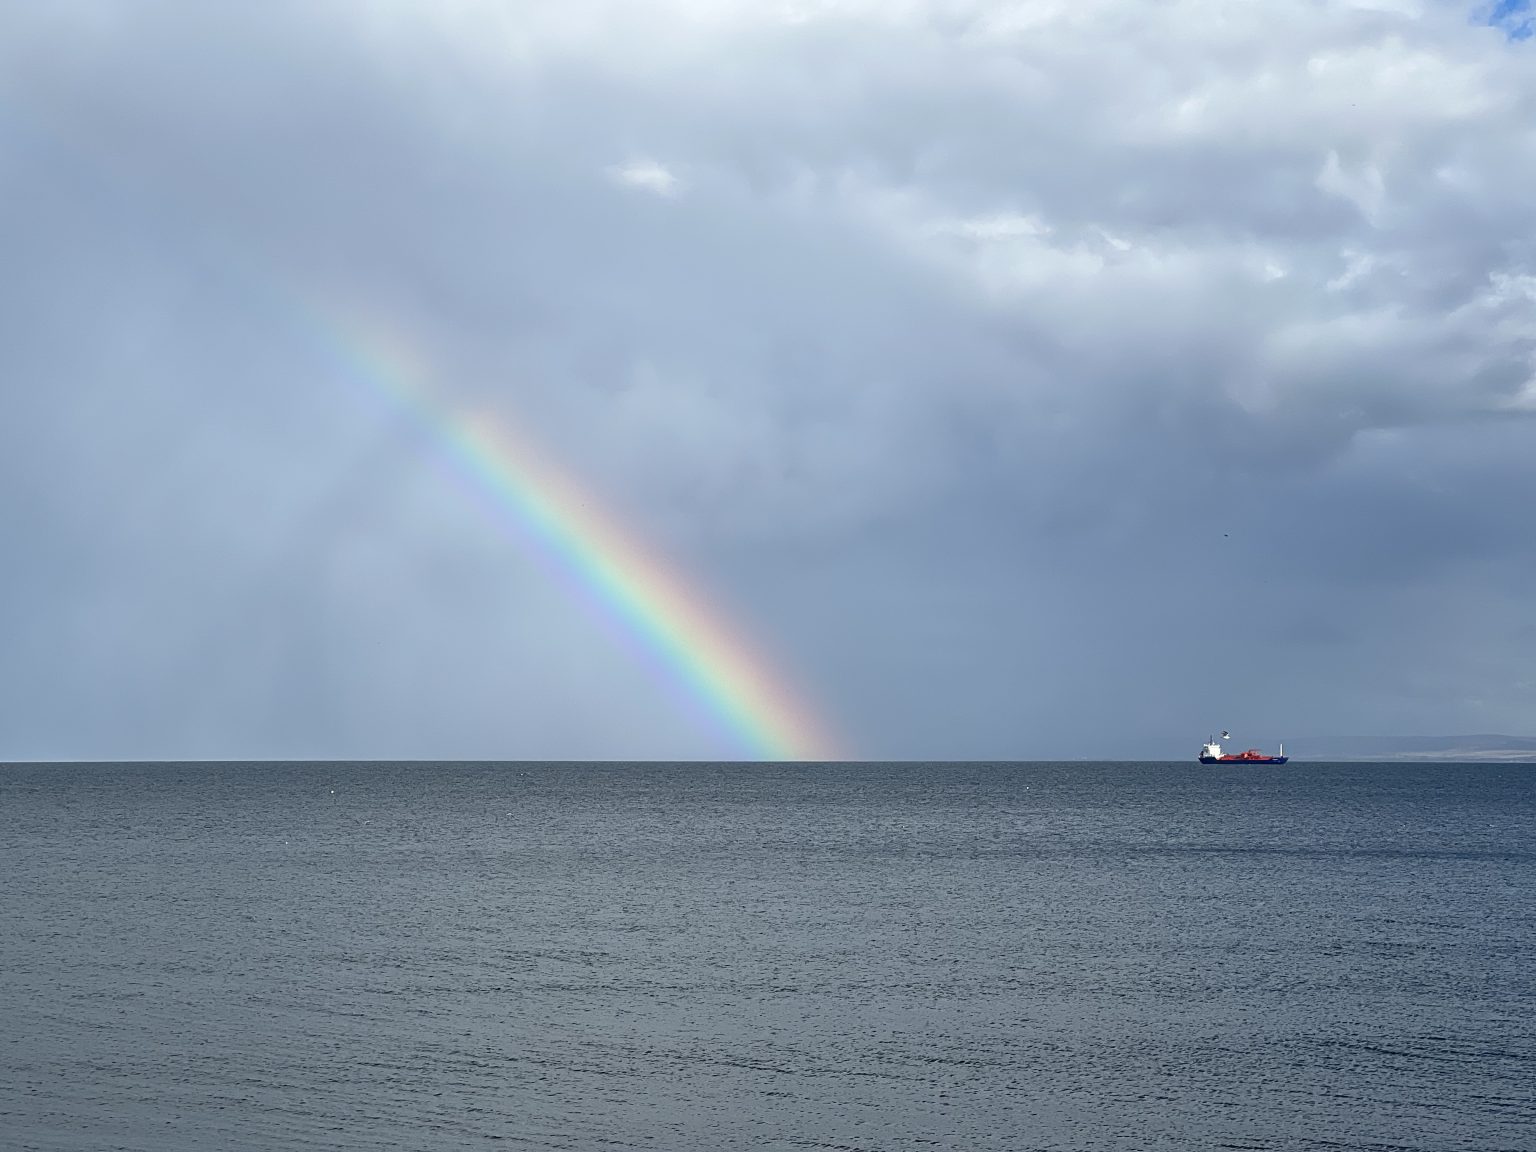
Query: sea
point(859, 958)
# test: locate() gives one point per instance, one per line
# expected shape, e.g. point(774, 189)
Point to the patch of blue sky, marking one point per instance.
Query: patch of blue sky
point(1516, 18)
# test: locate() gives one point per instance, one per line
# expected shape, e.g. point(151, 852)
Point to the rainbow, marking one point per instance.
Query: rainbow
point(718, 671)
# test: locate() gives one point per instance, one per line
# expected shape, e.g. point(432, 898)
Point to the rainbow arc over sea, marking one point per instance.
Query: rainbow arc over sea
point(724, 675)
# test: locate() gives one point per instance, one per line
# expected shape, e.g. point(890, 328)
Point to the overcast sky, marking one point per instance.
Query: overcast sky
point(1068, 377)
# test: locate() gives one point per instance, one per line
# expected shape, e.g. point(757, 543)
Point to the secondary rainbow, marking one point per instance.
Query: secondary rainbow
point(718, 670)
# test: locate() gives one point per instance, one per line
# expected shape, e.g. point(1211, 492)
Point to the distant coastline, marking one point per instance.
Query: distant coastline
point(1489, 748)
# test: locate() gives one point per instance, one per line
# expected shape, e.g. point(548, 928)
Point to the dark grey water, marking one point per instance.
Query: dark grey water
point(1029, 956)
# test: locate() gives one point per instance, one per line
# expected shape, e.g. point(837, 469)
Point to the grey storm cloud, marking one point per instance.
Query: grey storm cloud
point(1044, 379)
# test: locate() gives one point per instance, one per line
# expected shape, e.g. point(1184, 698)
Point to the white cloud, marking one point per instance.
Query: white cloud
point(1364, 188)
point(647, 176)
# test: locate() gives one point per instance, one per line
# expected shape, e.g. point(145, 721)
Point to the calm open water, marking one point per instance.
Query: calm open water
point(892, 957)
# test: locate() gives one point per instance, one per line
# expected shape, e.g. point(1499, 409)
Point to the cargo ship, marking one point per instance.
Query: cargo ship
point(1211, 753)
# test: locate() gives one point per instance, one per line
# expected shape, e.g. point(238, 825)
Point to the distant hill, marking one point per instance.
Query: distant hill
point(1482, 747)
